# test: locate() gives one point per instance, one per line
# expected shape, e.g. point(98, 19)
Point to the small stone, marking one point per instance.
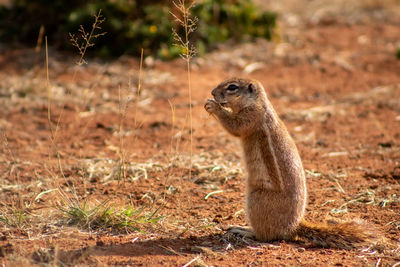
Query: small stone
point(273, 247)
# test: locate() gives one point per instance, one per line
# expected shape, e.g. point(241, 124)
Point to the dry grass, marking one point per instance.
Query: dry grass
point(86, 39)
point(106, 217)
point(75, 209)
point(185, 20)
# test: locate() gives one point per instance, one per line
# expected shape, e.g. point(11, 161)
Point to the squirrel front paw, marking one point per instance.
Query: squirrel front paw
point(211, 106)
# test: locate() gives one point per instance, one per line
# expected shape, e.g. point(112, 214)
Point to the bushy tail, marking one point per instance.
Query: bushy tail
point(342, 235)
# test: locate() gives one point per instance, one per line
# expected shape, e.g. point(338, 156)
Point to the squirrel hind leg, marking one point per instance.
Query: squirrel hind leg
point(242, 231)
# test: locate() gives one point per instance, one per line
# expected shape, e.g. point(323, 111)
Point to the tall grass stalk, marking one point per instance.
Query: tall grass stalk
point(139, 87)
point(122, 112)
point(82, 43)
point(53, 132)
point(85, 40)
point(172, 153)
point(185, 20)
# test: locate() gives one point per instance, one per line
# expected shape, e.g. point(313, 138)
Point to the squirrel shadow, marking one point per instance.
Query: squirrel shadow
point(209, 244)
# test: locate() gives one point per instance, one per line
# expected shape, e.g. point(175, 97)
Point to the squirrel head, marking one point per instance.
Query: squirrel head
point(238, 93)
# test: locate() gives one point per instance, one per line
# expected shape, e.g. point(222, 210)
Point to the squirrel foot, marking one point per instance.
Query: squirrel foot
point(242, 231)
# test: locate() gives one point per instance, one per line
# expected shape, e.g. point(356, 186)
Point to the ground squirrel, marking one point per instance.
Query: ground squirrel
point(276, 190)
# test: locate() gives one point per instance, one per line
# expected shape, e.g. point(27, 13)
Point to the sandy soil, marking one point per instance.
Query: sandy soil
point(333, 78)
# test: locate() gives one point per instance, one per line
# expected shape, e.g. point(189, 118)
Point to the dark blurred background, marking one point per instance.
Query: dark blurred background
point(131, 25)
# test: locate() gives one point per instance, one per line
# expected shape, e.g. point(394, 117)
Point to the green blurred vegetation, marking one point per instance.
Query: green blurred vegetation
point(133, 24)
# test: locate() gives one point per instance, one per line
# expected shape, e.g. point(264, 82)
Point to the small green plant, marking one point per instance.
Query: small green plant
point(14, 218)
point(107, 217)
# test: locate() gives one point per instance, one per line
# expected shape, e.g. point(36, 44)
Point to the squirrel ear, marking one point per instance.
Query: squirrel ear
point(251, 88)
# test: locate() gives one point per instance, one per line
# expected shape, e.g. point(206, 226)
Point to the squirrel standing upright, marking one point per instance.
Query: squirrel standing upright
point(276, 191)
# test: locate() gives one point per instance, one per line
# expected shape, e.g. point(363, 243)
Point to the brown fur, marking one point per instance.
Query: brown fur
point(275, 187)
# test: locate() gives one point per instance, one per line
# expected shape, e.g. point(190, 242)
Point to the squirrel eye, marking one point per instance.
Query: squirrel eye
point(232, 87)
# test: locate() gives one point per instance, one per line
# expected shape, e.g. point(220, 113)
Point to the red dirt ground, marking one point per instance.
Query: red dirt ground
point(334, 81)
